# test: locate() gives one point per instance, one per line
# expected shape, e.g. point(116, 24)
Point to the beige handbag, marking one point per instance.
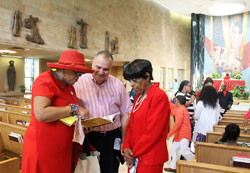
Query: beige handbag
point(88, 164)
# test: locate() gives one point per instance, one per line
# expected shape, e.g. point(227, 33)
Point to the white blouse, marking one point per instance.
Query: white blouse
point(206, 118)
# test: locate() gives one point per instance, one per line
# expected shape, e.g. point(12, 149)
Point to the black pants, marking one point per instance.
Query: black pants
point(104, 143)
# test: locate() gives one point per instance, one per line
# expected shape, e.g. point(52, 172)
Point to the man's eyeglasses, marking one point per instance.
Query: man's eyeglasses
point(78, 73)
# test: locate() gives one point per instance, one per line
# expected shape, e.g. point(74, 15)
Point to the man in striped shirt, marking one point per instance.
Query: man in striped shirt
point(103, 94)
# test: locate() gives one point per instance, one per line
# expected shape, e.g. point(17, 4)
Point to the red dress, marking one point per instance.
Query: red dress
point(47, 147)
point(147, 130)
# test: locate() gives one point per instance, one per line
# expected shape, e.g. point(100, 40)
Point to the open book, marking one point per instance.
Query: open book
point(92, 122)
point(99, 121)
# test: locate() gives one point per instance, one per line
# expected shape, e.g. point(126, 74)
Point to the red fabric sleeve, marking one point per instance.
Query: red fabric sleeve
point(157, 122)
point(173, 108)
point(247, 115)
point(43, 86)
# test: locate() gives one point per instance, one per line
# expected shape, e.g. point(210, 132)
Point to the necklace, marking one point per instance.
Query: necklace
point(138, 103)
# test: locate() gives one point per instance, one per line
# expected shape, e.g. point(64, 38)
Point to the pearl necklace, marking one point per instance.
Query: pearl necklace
point(138, 103)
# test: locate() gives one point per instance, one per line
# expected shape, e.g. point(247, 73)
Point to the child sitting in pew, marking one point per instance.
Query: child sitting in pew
point(232, 132)
point(182, 133)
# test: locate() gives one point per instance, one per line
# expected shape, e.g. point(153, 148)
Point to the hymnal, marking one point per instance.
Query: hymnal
point(241, 161)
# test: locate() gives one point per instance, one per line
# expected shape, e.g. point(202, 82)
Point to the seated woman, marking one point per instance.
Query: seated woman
point(232, 132)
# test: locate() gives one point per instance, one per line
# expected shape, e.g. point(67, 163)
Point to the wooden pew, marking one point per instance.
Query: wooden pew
point(14, 108)
point(221, 128)
point(15, 118)
point(226, 122)
point(237, 112)
point(218, 154)
point(11, 165)
point(215, 136)
point(19, 119)
point(4, 116)
point(10, 150)
point(5, 130)
point(233, 115)
point(12, 101)
point(25, 105)
point(2, 101)
point(233, 118)
point(196, 167)
point(27, 100)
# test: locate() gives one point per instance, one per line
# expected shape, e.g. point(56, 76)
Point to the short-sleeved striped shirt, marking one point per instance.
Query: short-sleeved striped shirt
point(102, 100)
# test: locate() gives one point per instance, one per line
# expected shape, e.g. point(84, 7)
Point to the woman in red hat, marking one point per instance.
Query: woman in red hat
point(48, 142)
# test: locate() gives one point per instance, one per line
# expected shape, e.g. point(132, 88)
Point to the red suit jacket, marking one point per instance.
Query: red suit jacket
point(148, 127)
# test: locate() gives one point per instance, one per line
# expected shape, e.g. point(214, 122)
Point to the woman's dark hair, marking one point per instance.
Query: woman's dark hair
point(232, 132)
point(181, 99)
point(209, 96)
point(183, 83)
point(208, 80)
point(137, 69)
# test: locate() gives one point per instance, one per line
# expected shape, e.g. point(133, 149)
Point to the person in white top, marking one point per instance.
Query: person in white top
point(207, 113)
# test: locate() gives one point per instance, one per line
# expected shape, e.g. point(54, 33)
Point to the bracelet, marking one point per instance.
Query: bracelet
point(74, 109)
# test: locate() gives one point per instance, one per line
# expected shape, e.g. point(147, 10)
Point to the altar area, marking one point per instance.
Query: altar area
point(231, 83)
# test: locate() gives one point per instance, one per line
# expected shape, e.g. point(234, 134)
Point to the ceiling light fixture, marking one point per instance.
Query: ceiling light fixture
point(6, 52)
point(11, 56)
point(227, 9)
point(87, 60)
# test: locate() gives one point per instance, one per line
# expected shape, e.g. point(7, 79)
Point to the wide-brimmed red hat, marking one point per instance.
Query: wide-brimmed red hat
point(71, 60)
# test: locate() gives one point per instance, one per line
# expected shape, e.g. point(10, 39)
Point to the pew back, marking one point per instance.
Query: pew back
point(14, 108)
point(7, 144)
point(218, 154)
point(196, 167)
point(221, 128)
point(11, 165)
point(15, 118)
point(237, 112)
point(215, 136)
point(233, 118)
point(4, 116)
point(233, 115)
point(226, 122)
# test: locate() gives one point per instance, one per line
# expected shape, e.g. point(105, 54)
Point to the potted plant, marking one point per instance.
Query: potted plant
point(216, 76)
point(22, 88)
point(237, 91)
point(246, 95)
point(236, 76)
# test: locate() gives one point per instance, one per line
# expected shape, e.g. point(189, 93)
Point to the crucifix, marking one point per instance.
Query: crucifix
point(83, 34)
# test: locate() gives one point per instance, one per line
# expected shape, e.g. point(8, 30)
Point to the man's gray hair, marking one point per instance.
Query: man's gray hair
point(105, 54)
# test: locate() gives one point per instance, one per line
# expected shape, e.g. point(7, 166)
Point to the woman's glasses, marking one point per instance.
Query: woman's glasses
point(135, 80)
point(77, 73)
